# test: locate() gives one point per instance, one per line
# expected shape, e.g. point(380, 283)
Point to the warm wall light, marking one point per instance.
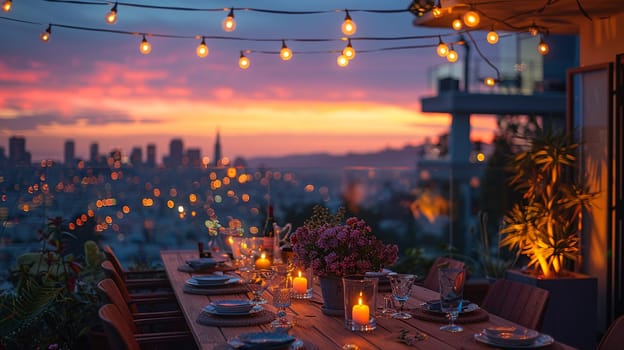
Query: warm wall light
point(111, 16)
point(243, 61)
point(342, 61)
point(285, 52)
point(202, 49)
point(348, 26)
point(348, 51)
point(489, 81)
point(442, 49)
point(45, 36)
point(145, 46)
point(452, 55)
point(492, 36)
point(457, 24)
point(229, 24)
point(542, 47)
point(471, 19)
point(6, 6)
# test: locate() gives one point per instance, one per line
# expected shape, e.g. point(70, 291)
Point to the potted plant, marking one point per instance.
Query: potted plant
point(545, 226)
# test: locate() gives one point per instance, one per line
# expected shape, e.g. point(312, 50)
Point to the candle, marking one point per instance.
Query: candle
point(300, 284)
point(360, 313)
point(262, 262)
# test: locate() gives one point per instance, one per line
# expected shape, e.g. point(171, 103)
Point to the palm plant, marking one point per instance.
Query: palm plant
point(545, 225)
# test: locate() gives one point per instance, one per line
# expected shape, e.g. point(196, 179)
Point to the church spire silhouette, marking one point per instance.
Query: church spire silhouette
point(217, 150)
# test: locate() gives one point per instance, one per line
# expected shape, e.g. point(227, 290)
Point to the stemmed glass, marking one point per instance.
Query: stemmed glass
point(256, 280)
point(401, 284)
point(250, 248)
point(451, 296)
point(281, 289)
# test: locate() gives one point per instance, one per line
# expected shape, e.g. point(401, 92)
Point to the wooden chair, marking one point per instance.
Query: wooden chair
point(431, 280)
point(613, 339)
point(518, 302)
point(137, 279)
point(121, 337)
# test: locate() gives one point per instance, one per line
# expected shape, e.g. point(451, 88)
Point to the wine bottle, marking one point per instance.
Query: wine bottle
point(268, 223)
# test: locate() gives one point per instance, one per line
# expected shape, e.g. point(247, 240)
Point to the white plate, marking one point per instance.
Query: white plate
point(511, 335)
point(213, 311)
point(540, 341)
point(435, 308)
point(232, 305)
point(211, 279)
point(192, 282)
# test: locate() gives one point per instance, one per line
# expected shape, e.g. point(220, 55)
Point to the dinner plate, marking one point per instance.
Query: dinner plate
point(213, 311)
point(511, 335)
point(232, 305)
point(211, 279)
point(192, 282)
point(433, 306)
point(540, 341)
point(263, 340)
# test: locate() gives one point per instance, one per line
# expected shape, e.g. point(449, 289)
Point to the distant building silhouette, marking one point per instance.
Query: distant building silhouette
point(94, 153)
point(17, 151)
point(136, 157)
point(193, 157)
point(217, 150)
point(176, 153)
point(151, 156)
point(70, 152)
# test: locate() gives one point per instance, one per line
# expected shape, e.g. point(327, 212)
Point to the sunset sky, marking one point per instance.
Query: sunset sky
point(94, 86)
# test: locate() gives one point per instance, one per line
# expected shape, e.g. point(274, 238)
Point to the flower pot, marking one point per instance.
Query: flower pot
point(333, 295)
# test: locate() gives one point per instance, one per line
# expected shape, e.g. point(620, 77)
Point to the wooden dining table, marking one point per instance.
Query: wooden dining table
point(320, 331)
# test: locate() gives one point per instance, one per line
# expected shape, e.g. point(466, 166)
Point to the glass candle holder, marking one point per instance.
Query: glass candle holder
point(302, 283)
point(360, 302)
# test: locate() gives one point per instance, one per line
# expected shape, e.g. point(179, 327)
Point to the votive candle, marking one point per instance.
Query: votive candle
point(300, 284)
point(262, 262)
point(360, 313)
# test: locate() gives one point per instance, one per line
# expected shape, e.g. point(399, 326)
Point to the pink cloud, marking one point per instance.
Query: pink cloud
point(9, 74)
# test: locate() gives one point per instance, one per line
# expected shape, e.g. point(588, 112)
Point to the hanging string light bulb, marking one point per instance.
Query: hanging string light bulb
point(533, 29)
point(229, 24)
point(243, 61)
point(342, 61)
point(6, 6)
point(492, 36)
point(452, 55)
point(145, 46)
point(457, 24)
point(111, 16)
point(489, 81)
point(472, 18)
point(442, 48)
point(348, 26)
point(542, 47)
point(348, 51)
point(285, 53)
point(45, 36)
point(202, 49)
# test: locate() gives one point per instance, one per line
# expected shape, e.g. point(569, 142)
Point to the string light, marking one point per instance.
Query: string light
point(202, 49)
point(229, 24)
point(457, 24)
point(348, 26)
point(442, 49)
point(533, 29)
point(243, 61)
point(489, 81)
point(471, 19)
point(342, 61)
point(542, 47)
point(145, 46)
point(111, 16)
point(348, 51)
point(492, 36)
point(6, 6)
point(452, 55)
point(45, 36)
point(285, 52)
point(436, 11)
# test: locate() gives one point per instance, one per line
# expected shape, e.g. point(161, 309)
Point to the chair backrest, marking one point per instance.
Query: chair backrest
point(109, 288)
point(112, 257)
point(613, 339)
point(518, 302)
point(118, 334)
point(121, 284)
point(431, 281)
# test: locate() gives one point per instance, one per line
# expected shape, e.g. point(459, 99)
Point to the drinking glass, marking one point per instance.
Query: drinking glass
point(281, 289)
point(451, 296)
point(250, 249)
point(256, 280)
point(401, 284)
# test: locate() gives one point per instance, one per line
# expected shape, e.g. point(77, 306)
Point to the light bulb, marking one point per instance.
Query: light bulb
point(349, 51)
point(542, 47)
point(472, 19)
point(202, 49)
point(442, 49)
point(489, 81)
point(348, 26)
point(492, 37)
point(243, 62)
point(436, 12)
point(145, 46)
point(342, 61)
point(285, 53)
point(533, 29)
point(452, 55)
point(229, 24)
point(45, 36)
point(6, 6)
point(111, 16)
point(457, 24)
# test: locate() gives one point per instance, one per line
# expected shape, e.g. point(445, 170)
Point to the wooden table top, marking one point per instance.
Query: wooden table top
point(327, 332)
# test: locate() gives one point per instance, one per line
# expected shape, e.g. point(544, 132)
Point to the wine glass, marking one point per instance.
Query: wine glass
point(401, 284)
point(281, 289)
point(451, 296)
point(256, 280)
point(250, 248)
